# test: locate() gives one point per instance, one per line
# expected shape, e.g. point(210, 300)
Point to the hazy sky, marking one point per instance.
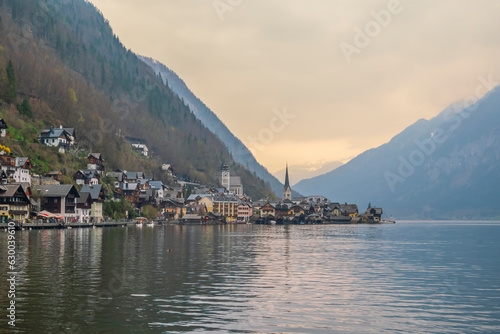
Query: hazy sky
point(338, 91)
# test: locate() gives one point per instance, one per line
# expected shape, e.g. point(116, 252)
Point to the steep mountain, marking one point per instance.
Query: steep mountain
point(444, 168)
point(239, 151)
point(73, 70)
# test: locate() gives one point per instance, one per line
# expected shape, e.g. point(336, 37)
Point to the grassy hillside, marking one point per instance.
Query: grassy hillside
point(74, 71)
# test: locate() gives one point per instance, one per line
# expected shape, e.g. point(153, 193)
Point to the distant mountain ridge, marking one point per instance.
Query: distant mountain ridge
point(239, 151)
point(299, 172)
point(447, 167)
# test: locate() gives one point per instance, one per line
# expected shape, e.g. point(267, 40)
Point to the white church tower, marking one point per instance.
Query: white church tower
point(226, 177)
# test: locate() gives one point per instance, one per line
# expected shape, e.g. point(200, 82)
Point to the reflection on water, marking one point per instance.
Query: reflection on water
point(406, 278)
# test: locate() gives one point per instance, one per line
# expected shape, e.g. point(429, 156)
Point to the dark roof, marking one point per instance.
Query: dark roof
point(57, 190)
point(9, 190)
point(86, 174)
point(348, 208)
point(94, 190)
point(376, 211)
point(70, 131)
point(134, 175)
point(226, 198)
point(53, 133)
point(83, 197)
point(3, 125)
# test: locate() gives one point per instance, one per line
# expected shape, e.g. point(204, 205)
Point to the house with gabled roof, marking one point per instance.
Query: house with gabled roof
point(87, 176)
point(95, 162)
point(350, 210)
point(83, 207)
point(58, 199)
point(158, 188)
point(16, 168)
point(55, 137)
point(14, 203)
point(97, 196)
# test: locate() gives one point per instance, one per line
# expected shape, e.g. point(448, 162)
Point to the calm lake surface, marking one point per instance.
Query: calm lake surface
point(410, 277)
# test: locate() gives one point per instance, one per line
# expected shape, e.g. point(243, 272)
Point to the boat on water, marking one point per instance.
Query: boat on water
point(139, 221)
point(388, 221)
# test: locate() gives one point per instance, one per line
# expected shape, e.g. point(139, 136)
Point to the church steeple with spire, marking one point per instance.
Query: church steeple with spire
point(287, 190)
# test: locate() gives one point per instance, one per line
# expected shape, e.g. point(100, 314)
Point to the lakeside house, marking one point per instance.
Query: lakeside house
point(83, 207)
point(227, 206)
point(58, 199)
point(14, 203)
point(97, 196)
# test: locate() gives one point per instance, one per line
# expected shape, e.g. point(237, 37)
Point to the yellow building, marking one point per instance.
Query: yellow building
point(14, 203)
point(227, 206)
point(209, 204)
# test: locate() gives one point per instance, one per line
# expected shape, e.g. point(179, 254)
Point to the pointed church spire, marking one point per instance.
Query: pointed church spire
point(287, 182)
point(287, 190)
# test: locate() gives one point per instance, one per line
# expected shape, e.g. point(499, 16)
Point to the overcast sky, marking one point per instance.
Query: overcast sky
point(338, 92)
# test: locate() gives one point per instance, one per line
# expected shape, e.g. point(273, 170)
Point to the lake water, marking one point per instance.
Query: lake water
point(410, 277)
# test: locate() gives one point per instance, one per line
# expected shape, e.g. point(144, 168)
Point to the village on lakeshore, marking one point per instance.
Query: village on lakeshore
point(42, 200)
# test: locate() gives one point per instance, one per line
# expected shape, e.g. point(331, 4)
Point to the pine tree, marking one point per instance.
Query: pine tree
point(11, 83)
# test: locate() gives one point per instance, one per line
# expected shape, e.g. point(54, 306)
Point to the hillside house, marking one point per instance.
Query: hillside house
point(3, 128)
point(142, 149)
point(168, 168)
point(55, 175)
point(158, 188)
point(133, 177)
point(87, 176)
point(95, 162)
point(57, 137)
point(16, 168)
